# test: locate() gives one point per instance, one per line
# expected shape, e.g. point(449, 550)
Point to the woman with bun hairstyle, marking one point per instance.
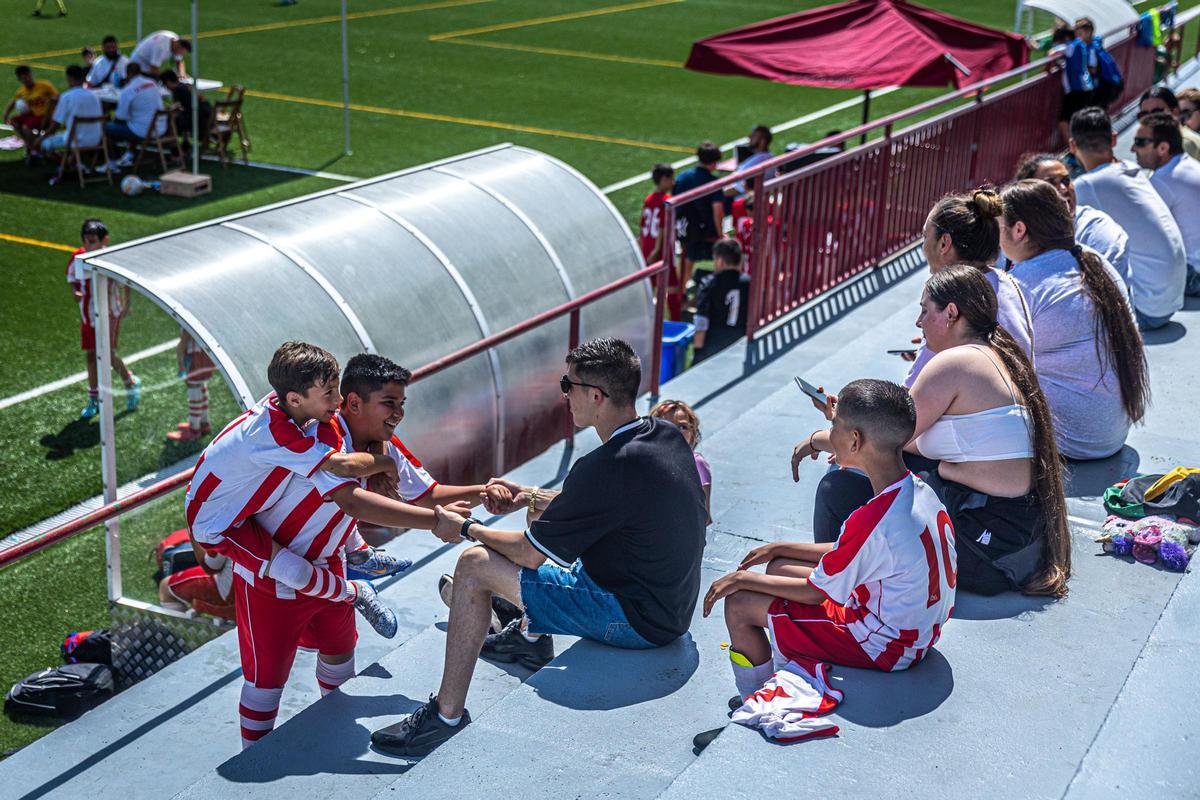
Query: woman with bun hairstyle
point(962, 229)
point(1087, 350)
point(983, 421)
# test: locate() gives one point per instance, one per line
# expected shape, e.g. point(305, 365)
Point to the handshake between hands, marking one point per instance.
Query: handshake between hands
point(499, 497)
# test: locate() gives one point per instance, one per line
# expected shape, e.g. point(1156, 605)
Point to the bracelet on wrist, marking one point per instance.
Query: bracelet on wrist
point(533, 498)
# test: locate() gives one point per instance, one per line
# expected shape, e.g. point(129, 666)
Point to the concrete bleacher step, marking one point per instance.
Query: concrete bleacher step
point(596, 721)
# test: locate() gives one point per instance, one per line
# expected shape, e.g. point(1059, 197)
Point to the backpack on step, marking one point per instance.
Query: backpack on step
point(60, 692)
point(89, 647)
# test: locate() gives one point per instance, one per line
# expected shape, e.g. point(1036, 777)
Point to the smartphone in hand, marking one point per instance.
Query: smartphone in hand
point(910, 351)
point(812, 391)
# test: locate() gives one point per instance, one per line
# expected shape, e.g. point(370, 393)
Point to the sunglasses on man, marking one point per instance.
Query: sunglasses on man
point(565, 384)
point(1142, 141)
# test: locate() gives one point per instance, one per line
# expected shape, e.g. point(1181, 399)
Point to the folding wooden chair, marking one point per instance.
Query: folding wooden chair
point(73, 154)
point(222, 127)
point(160, 142)
point(236, 93)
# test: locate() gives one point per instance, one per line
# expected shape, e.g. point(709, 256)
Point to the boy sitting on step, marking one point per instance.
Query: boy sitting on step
point(879, 596)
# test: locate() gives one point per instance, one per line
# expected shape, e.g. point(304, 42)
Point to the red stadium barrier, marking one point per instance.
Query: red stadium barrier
point(821, 224)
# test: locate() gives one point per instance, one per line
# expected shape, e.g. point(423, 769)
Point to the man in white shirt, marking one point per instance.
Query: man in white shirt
point(76, 101)
point(109, 68)
point(1158, 145)
point(1157, 264)
point(1160, 98)
point(156, 48)
point(139, 100)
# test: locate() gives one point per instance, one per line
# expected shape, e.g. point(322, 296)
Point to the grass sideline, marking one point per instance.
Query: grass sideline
point(599, 88)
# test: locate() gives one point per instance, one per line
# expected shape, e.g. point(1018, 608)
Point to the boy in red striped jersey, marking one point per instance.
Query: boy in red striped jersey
point(273, 617)
point(879, 596)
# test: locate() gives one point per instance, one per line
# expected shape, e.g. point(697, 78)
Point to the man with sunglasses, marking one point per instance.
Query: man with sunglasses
point(1160, 98)
point(1189, 108)
point(1158, 145)
point(614, 557)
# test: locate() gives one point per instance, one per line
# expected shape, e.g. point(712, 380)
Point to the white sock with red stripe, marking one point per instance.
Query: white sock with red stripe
point(258, 709)
point(292, 570)
point(749, 678)
point(197, 395)
point(331, 676)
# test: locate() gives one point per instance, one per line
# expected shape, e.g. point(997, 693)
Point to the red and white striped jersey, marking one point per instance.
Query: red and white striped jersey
point(412, 482)
point(247, 467)
point(894, 570)
point(81, 283)
point(304, 520)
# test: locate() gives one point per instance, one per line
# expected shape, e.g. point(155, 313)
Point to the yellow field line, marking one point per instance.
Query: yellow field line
point(274, 26)
point(475, 123)
point(554, 51)
point(8, 237)
point(529, 23)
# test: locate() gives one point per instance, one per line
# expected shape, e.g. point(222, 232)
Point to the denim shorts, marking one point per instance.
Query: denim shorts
point(569, 602)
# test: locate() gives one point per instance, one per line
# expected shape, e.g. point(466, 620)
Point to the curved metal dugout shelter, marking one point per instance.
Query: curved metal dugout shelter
point(413, 265)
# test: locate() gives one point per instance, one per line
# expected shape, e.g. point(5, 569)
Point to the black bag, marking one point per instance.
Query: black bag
point(60, 692)
point(94, 647)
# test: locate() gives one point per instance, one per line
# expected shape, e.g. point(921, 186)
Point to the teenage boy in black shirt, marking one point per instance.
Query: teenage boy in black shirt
point(626, 535)
point(721, 302)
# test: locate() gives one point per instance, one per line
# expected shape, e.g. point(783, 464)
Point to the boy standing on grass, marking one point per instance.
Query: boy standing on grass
point(722, 298)
point(95, 237)
point(875, 599)
point(196, 368)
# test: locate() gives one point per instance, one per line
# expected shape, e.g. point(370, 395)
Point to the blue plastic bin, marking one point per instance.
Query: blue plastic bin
point(676, 338)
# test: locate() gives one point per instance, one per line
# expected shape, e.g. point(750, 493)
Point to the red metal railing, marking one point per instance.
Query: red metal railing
point(821, 224)
point(176, 482)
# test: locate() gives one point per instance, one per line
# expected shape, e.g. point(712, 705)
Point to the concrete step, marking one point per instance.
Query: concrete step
point(597, 721)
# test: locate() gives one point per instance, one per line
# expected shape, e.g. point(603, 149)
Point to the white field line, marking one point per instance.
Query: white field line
point(783, 126)
point(315, 173)
point(62, 383)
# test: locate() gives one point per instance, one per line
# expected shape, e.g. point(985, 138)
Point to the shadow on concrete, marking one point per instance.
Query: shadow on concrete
point(343, 740)
point(1171, 332)
point(883, 699)
point(1006, 605)
point(809, 319)
point(593, 677)
point(74, 770)
point(1091, 478)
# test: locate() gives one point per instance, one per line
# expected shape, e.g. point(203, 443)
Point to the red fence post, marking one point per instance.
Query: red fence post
point(759, 249)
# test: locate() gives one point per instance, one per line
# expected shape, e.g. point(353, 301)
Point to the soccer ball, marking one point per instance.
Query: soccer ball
point(132, 185)
point(20, 107)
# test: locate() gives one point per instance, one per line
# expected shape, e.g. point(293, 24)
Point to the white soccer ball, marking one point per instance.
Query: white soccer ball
point(20, 107)
point(132, 185)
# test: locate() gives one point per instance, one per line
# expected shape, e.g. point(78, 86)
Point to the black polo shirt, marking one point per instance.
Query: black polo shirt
point(632, 511)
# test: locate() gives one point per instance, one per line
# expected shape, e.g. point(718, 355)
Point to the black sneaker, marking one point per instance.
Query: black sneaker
point(735, 703)
point(703, 740)
point(419, 733)
point(503, 612)
point(511, 645)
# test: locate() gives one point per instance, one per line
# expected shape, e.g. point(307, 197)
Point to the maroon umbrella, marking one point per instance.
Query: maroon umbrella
point(863, 44)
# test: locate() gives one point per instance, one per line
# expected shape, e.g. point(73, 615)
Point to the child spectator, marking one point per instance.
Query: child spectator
point(878, 598)
point(743, 228)
point(684, 418)
point(663, 176)
point(95, 237)
point(195, 367)
point(30, 108)
point(1079, 87)
point(721, 301)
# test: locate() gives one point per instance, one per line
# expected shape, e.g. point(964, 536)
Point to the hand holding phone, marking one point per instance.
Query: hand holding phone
point(823, 402)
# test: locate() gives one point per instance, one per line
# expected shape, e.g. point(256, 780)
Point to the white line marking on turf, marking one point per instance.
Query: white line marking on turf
point(61, 383)
point(315, 173)
point(783, 126)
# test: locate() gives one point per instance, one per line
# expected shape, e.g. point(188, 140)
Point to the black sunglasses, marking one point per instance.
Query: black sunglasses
point(565, 384)
point(1142, 141)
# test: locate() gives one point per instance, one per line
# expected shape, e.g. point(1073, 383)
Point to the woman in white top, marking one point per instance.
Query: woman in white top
point(961, 229)
point(982, 417)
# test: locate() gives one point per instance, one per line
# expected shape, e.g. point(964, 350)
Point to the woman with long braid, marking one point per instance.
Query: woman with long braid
point(983, 418)
point(1087, 349)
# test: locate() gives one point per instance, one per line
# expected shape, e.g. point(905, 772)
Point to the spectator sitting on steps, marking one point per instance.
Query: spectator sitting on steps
point(721, 300)
point(1161, 99)
point(1158, 146)
point(626, 535)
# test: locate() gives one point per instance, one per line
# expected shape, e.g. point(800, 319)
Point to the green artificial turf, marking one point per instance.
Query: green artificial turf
point(416, 99)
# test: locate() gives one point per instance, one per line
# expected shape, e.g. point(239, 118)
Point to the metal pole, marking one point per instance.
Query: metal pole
point(866, 114)
point(139, 20)
point(195, 91)
point(345, 82)
point(108, 442)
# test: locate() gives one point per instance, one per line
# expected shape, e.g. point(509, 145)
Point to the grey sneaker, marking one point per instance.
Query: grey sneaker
point(418, 733)
point(377, 614)
point(511, 645)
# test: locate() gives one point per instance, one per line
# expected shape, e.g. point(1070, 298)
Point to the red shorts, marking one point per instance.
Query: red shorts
point(802, 632)
point(197, 588)
point(270, 630)
point(87, 334)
